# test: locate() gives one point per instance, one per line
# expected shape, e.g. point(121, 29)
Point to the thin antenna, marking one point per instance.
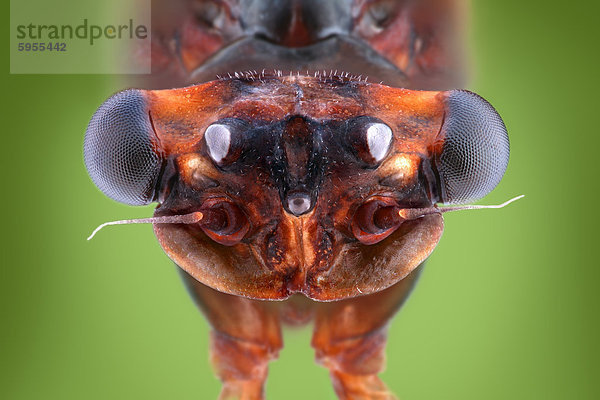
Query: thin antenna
point(413, 213)
point(480, 207)
point(191, 218)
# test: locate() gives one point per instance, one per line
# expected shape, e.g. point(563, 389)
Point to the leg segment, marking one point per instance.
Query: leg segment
point(245, 336)
point(350, 337)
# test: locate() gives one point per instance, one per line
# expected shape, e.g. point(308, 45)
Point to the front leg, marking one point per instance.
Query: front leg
point(350, 337)
point(246, 335)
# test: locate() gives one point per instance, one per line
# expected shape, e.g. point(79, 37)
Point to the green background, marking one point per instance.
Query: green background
point(507, 307)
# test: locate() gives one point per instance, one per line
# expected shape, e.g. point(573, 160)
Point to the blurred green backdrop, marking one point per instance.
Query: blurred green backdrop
point(507, 307)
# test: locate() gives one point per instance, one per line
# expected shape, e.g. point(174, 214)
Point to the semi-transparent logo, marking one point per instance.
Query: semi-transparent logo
point(80, 37)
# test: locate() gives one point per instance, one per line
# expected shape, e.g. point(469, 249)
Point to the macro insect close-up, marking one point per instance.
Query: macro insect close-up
point(305, 166)
point(305, 193)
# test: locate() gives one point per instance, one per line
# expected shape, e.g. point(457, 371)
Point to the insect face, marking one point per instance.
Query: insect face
point(302, 182)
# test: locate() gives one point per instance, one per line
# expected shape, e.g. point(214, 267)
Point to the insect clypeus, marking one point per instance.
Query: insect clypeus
point(301, 178)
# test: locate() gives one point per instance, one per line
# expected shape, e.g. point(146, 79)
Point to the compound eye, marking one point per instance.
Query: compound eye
point(475, 149)
point(223, 140)
point(371, 139)
point(121, 151)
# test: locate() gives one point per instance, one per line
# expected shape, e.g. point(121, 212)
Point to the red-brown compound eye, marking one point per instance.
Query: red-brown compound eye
point(224, 222)
point(375, 220)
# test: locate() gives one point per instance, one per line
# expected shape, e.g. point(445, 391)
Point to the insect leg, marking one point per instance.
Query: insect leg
point(350, 337)
point(245, 336)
